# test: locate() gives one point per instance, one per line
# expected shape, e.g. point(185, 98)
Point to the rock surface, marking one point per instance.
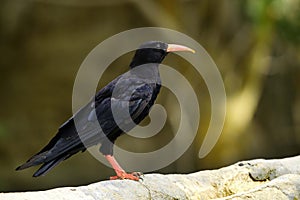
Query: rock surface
point(256, 179)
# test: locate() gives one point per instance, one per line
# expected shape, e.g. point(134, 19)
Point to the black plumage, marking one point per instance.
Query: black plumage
point(132, 93)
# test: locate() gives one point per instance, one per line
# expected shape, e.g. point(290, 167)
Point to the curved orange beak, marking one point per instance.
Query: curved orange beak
point(177, 47)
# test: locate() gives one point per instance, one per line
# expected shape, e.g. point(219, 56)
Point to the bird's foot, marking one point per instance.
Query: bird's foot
point(135, 176)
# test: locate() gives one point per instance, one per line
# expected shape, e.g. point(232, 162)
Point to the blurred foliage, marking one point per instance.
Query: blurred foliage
point(255, 44)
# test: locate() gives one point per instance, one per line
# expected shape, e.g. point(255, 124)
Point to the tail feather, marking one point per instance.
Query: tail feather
point(47, 166)
point(57, 150)
point(33, 161)
point(63, 145)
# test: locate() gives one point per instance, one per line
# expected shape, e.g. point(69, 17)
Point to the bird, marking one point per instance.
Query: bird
point(129, 98)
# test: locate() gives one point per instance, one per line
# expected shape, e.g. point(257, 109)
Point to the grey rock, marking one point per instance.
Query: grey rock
point(256, 179)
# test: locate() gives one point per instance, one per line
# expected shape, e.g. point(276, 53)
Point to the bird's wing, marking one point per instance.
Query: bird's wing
point(96, 120)
point(128, 112)
point(140, 99)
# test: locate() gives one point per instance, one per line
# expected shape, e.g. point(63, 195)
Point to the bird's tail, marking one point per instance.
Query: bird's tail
point(37, 159)
point(58, 149)
point(46, 167)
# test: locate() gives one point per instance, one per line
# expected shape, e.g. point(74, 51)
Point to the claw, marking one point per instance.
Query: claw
point(135, 176)
point(140, 175)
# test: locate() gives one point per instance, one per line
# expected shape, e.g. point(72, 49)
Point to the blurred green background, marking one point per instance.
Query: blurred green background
point(254, 43)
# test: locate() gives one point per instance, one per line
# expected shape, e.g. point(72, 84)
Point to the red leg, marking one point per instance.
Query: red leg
point(121, 174)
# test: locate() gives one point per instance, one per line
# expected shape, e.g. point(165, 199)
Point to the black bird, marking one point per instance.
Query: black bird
point(133, 92)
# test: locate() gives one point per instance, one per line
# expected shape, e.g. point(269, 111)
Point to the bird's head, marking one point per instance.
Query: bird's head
point(155, 52)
